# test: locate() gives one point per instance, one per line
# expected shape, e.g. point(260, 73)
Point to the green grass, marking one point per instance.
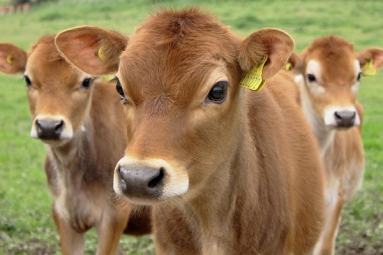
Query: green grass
point(26, 226)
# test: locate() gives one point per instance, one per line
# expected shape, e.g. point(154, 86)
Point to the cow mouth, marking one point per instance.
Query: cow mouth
point(55, 142)
point(343, 128)
point(142, 201)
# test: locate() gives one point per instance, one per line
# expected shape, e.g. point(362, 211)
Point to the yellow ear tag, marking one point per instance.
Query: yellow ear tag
point(368, 69)
point(289, 66)
point(107, 78)
point(9, 59)
point(253, 79)
point(100, 54)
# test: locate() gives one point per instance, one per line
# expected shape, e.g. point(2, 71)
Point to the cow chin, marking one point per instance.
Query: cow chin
point(149, 181)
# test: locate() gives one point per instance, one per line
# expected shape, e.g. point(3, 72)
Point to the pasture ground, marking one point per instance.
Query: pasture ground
point(26, 226)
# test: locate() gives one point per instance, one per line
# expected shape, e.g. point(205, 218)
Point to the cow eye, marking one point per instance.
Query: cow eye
point(311, 78)
point(120, 91)
point(86, 83)
point(358, 78)
point(217, 94)
point(27, 81)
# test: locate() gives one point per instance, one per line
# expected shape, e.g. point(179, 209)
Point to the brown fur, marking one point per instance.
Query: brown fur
point(342, 150)
point(17, 56)
point(23, 7)
point(255, 182)
point(80, 170)
point(7, 9)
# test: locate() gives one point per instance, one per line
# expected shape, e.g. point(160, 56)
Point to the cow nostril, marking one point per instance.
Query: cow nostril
point(39, 127)
point(345, 115)
point(38, 124)
point(49, 129)
point(122, 181)
point(337, 116)
point(345, 118)
point(156, 181)
point(141, 181)
point(59, 125)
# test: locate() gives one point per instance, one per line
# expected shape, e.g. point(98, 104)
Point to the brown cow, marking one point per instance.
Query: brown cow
point(81, 123)
point(23, 6)
point(7, 9)
point(227, 170)
point(328, 72)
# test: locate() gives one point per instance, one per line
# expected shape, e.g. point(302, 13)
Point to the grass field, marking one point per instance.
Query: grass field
point(26, 226)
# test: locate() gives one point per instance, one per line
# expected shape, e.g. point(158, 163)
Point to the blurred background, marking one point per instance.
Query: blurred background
point(26, 226)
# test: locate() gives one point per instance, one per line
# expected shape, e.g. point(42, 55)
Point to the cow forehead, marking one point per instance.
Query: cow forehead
point(335, 56)
point(184, 34)
point(175, 51)
point(177, 79)
point(47, 68)
point(340, 65)
point(313, 67)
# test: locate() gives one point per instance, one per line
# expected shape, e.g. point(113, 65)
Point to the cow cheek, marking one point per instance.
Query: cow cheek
point(128, 120)
point(79, 108)
point(208, 139)
point(32, 99)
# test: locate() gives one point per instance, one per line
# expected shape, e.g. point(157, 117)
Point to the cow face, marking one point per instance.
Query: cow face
point(178, 80)
point(330, 73)
point(180, 121)
point(58, 95)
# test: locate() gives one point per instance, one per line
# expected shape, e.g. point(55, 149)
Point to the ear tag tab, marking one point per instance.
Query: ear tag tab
point(100, 54)
point(9, 59)
point(368, 69)
point(289, 66)
point(107, 78)
point(253, 79)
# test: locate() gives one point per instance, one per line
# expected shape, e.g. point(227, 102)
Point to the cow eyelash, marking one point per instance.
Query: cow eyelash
point(120, 91)
point(358, 77)
point(27, 80)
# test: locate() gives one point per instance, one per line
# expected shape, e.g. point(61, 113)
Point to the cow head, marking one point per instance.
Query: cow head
point(58, 95)
point(330, 71)
point(178, 81)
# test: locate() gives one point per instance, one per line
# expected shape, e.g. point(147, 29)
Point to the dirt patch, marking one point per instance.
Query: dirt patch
point(362, 242)
point(32, 246)
point(359, 247)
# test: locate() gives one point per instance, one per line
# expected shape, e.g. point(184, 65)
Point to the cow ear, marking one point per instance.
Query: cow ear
point(370, 60)
point(273, 43)
point(93, 50)
point(12, 59)
point(295, 63)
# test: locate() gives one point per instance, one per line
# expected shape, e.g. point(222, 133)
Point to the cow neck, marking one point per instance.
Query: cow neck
point(75, 167)
point(71, 155)
point(215, 208)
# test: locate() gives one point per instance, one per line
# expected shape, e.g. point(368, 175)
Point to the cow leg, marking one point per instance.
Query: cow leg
point(109, 231)
point(326, 243)
point(72, 243)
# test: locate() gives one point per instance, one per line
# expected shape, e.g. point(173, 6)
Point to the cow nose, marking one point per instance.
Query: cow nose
point(49, 129)
point(141, 182)
point(345, 118)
